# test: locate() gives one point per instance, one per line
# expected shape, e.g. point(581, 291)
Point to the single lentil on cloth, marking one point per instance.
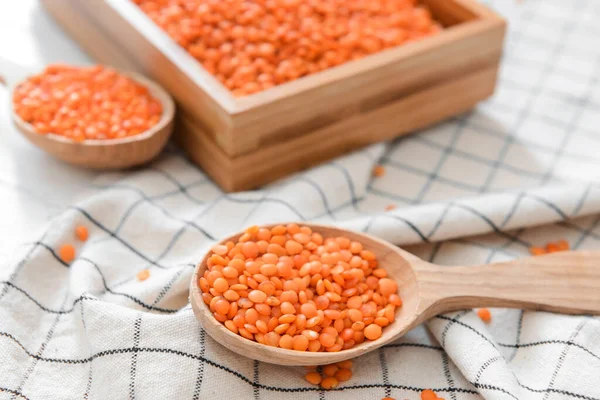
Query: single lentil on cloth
point(252, 46)
point(289, 287)
point(86, 103)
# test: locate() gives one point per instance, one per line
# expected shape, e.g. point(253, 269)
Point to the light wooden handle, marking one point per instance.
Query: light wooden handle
point(565, 282)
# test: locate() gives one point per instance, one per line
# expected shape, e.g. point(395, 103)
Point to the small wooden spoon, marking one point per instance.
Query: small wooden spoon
point(98, 154)
point(565, 282)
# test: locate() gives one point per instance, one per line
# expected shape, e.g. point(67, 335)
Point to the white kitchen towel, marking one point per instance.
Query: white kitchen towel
point(527, 157)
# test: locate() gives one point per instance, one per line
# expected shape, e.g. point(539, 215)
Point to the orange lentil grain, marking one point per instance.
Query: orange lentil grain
point(314, 378)
point(484, 314)
point(379, 171)
point(537, 251)
point(347, 364)
point(329, 383)
point(343, 375)
point(143, 275)
point(330, 369)
point(67, 253)
point(81, 232)
point(563, 245)
point(428, 394)
point(552, 248)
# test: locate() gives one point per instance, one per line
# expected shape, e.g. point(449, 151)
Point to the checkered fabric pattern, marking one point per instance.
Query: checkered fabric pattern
point(468, 191)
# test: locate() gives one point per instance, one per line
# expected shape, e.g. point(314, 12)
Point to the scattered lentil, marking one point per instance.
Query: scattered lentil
point(67, 253)
point(323, 294)
point(551, 247)
point(313, 378)
point(82, 103)
point(484, 314)
point(379, 171)
point(428, 394)
point(329, 383)
point(390, 207)
point(250, 46)
point(82, 233)
point(145, 274)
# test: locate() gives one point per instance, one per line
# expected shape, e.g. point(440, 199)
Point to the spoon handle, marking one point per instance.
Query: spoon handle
point(565, 282)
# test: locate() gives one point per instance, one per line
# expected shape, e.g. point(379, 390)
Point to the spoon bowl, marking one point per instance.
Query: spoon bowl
point(567, 282)
point(98, 154)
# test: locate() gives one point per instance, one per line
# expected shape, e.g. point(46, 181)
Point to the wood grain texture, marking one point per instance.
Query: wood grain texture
point(400, 117)
point(102, 154)
point(311, 119)
point(565, 282)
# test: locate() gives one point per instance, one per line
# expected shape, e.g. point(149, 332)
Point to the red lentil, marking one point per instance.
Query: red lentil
point(304, 306)
point(329, 383)
point(343, 375)
point(67, 253)
point(379, 171)
point(82, 103)
point(252, 46)
point(428, 394)
point(82, 233)
point(313, 378)
point(145, 274)
point(551, 247)
point(484, 314)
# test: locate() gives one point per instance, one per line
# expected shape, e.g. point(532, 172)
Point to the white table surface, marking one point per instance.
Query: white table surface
point(33, 186)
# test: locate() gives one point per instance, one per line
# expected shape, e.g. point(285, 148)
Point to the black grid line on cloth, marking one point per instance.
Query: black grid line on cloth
point(385, 377)
point(88, 385)
point(508, 243)
point(473, 157)
point(572, 124)
point(550, 342)
point(485, 365)
point(14, 393)
point(151, 201)
point(563, 354)
point(322, 391)
point(469, 327)
point(430, 175)
point(43, 346)
point(533, 95)
point(447, 374)
point(150, 307)
point(518, 338)
point(47, 309)
point(153, 350)
point(133, 367)
point(449, 325)
point(486, 130)
point(321, 194)
point(200, 374)
point(354, 199)
point(22, 263)
point(442, 160)
point(255, 381)
point(182, 188)
point(587, 233)
point(84, 296)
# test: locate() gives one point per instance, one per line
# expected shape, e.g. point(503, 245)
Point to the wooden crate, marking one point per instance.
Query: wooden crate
point(240, 141)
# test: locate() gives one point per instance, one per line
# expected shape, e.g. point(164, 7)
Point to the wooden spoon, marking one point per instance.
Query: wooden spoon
point(565, 282)
point(98, 154)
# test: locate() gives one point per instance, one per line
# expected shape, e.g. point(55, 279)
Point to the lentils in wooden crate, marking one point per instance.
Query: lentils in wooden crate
point(250, 46)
